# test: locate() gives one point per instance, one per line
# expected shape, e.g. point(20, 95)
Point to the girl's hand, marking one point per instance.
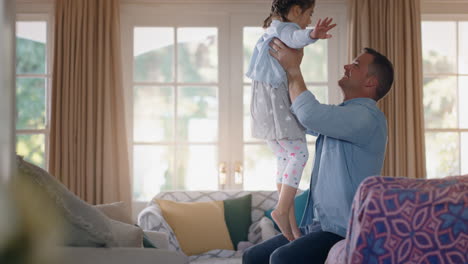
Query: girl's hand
point(321, 29)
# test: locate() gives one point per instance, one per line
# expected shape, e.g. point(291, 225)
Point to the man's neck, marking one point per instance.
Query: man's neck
point(350, 97)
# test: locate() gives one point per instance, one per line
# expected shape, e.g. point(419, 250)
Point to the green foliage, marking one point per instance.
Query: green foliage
point(440, 111)
point(433, 62)
point(30, 57)
point(30, 99)
point(30, 103)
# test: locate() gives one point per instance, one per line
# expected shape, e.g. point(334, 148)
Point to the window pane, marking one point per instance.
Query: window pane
point(440, 102)
point(463, 105)
point(31, 39)
point(197, 168)
point(463, 51)
point(153, 54)
point(464, 153)
point(251, 36)
point(32, 148)
point(197, 118)
point(320, 92)
point(314, 65)
point(442, 154)
point(260, 168)
point(30, 103)
point(153, 114)
point(152, 171)
point(439, 47)
point(197, 54)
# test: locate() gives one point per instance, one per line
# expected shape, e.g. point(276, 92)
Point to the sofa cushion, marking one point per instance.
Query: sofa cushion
point(127, 235)
point(237, 216)
point(199, 226)
point(403, 220)
point(84, 224)
point(117, 211)
point(300, 203)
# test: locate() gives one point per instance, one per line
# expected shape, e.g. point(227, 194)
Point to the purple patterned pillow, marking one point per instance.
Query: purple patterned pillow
point(403, 220)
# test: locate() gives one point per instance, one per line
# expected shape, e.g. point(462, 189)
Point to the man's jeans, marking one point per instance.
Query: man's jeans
point(310, 248)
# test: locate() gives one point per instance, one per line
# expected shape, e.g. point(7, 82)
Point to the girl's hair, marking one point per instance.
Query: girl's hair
point(281, 9)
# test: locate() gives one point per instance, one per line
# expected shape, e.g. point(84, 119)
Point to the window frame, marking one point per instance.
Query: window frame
point(232, 16)
point(448, 18)
point(336, 61)
point(43, 13)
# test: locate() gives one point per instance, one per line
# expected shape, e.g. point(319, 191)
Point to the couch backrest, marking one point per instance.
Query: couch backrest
point(261, 200)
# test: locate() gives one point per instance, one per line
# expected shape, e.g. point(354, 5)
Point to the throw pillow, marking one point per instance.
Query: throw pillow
point(237, 214)
point(84, 225)
point(300, 203)
point(151, 218)
point(127, 235)
point(147, 242)
point(117, 211)
point(199, 226)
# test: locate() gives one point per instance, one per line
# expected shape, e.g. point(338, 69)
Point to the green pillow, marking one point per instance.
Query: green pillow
point(237, 214)
point(146, 241)
point(299, 206)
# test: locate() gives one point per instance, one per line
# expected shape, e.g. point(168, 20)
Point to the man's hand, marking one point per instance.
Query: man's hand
point(321, 29)
point(290, 59)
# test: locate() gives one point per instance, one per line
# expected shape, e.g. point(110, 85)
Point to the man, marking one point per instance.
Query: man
point(351, 144)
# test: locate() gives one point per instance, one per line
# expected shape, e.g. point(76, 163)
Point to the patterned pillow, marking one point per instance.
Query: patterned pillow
point(151, 219)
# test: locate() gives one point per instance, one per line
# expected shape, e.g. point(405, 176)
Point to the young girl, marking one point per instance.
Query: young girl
point(271, 118)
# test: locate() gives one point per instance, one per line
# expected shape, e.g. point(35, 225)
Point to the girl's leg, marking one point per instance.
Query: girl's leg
point(284, 215)
point(282, 162)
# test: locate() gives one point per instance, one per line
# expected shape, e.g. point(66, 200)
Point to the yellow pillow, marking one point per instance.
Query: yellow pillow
point(198, 226)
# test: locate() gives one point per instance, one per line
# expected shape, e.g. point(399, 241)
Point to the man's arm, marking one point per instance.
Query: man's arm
point(353, 124)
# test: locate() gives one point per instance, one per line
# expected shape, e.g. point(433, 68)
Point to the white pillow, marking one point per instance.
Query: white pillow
point(151, 219)
point(268, 228)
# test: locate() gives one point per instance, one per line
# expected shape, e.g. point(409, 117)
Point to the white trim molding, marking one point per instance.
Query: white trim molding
point(444, 6)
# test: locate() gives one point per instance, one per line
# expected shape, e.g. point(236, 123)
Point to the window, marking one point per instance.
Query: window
point(188, 99)
point(258, 158)
point(32, 88)
point(445, 67)
point(175, 109)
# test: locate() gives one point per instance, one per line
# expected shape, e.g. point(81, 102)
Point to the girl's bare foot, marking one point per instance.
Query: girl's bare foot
point(296, 232)
point(282, 220)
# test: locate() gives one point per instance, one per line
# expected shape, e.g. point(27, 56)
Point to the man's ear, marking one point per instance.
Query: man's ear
point(371, 85)
point(372, 81)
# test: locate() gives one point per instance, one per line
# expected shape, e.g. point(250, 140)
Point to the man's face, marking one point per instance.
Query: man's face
point(356, 73)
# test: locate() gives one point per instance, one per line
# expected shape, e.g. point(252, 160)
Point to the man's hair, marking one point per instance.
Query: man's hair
point(281, 9)
point(383, 69)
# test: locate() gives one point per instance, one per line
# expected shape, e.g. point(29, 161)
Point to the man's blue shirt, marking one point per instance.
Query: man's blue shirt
point(350, 146)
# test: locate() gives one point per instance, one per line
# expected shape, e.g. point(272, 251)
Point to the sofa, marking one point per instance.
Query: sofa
point(261, 228)
point(403, 220)
point(49, 224)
